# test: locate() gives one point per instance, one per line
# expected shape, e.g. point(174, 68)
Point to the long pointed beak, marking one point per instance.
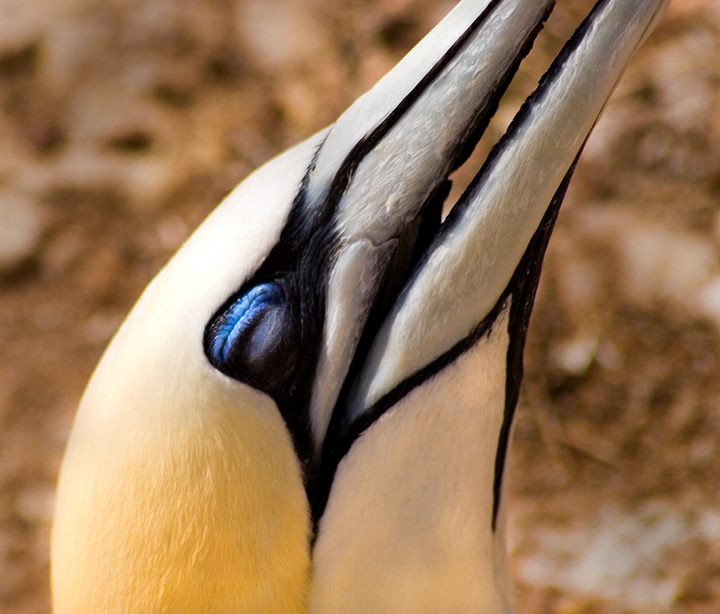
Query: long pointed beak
point(463, 276)
point(384, 165)
point(474, 255)
point(364, 287)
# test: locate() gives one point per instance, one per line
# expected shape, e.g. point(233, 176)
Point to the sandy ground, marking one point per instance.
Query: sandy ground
point(122, 123)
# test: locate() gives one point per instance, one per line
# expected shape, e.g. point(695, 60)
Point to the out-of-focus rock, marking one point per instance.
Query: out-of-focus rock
point(142, 180)
point(35, 504)
point(685, 70)
point(615, 555)
point(172, 231)
point(575, 355)
point(71, 48)
point(280, 34)
point(686, 8)
point(22, 223)
point(21, 23)
point(101, 327)
point(577, 275)
point(149, 182)
point(716, 228)
point(657, 263)
point(709, 300)
point(63, 250)
point(665, 263)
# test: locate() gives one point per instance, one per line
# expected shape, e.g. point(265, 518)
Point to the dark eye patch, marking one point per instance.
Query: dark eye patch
point(255, 339)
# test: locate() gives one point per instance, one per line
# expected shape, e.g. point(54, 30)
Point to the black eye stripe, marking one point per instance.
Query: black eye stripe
point(268, 333)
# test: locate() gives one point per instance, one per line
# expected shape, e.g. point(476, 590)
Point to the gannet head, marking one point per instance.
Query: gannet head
point(319, 294)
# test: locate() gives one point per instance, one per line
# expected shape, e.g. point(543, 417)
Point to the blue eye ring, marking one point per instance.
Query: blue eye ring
point(241, 315)
point(255, 337)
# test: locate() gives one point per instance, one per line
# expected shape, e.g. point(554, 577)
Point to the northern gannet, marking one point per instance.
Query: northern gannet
point(309, 408)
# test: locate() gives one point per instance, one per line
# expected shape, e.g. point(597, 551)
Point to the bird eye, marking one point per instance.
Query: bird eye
point(255, 339)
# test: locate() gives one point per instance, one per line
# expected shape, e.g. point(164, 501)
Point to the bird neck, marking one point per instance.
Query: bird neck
point(409, 522)
point(179, 492)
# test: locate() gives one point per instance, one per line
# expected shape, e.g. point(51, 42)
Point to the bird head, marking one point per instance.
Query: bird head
point(317, 295)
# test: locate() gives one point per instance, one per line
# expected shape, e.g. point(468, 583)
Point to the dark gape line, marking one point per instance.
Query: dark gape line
point(522, 288)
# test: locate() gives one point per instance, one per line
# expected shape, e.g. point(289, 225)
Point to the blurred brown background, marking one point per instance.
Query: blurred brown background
point(122, 123)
